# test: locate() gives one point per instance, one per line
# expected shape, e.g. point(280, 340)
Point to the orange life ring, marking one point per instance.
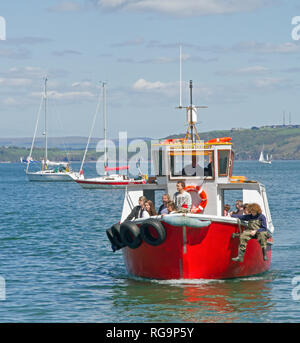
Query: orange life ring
point(202, 196)
point(220, 140)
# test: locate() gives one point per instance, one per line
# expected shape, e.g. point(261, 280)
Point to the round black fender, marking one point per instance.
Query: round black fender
point(130, 234)
point(153, 232)
point(113, 234)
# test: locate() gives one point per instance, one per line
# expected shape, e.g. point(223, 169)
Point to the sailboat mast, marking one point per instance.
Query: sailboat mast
point(180, 78)
point(191, 110)
point(46, 140)
point(104, 123)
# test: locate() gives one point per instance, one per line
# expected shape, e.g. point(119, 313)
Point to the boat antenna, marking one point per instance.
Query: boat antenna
point(192, 117)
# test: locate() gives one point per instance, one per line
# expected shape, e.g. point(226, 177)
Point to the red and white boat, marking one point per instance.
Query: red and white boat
point(199, 244)
point(114, 181)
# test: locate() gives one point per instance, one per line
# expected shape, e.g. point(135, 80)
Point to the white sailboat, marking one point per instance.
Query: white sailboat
point(51, 171)
point(262, 159)
point(112, 181)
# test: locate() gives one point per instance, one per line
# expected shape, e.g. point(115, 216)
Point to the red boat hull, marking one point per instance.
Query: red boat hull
point(196, 253)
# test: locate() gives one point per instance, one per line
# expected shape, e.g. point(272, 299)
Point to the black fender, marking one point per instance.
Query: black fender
point(130, 234)
point(114, 236)
point(157, 226)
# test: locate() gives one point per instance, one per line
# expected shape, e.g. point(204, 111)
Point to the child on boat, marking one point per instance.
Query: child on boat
point(257, 228)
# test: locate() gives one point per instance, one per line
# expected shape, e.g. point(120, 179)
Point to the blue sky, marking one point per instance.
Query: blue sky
point(242, 59)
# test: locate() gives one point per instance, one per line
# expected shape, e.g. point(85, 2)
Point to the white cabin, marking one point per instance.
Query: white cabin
point(205, 164)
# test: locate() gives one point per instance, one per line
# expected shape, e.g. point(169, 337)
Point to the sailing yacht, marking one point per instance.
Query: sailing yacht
point(51, 171)
point(112, 181)
point(262, 159)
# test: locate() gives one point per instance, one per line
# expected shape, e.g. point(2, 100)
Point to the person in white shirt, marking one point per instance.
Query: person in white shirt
point(182, 199)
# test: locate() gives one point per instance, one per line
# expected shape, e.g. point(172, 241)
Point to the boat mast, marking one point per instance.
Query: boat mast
point(91, 132)
point(46, 140)
point(191, 112)
point(180, 78)
point(104, 124)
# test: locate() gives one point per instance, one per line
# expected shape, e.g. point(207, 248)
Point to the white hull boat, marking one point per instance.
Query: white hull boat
point(113, 181)
point(51, 175)
point(51, 170)
point(109, 182)
point(264, 160)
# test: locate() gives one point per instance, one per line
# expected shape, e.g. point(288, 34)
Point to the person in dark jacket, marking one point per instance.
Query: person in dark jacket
point(137, 211)
point(257, 228)
point(163, 208)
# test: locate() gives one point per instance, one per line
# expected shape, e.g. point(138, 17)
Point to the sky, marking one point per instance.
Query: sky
point(241, 55)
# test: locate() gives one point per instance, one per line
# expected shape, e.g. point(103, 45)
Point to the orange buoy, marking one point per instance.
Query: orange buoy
point(202, 195)
point(220, 140)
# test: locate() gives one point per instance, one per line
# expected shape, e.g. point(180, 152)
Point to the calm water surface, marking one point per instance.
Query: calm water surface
point(57, 266)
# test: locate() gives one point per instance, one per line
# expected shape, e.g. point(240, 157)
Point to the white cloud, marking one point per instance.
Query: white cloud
point(186, 7)
point(267, 82)
point(142, 84)
point(77, 95)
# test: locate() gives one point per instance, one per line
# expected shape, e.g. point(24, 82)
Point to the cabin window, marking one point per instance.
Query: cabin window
point(223, 159)
point(191, 163)
point(230, 199)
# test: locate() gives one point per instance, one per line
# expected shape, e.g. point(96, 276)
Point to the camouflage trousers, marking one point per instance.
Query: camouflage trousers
point(245, 236)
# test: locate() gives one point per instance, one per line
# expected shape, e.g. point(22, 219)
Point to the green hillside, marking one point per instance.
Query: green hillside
point(282, 143)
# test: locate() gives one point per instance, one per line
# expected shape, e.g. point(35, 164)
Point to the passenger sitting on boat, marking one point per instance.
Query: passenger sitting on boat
point(163, 208)
point(149, 209)
point(257, 228)
point(239, 208)
point(245, 206)
point(171, 207)
point(137, 211)
point(182, 199)
point(226, 210)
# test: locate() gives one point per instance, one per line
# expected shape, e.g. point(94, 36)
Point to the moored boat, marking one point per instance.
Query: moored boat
point(51, 170)
point(106, 181)
point(203, 242)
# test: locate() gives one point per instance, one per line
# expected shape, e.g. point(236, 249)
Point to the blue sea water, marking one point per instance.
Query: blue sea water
point(56, 264)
